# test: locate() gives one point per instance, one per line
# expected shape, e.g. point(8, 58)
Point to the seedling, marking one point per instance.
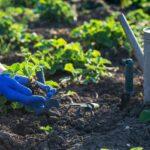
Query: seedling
point(62, 11)
point(47, 129)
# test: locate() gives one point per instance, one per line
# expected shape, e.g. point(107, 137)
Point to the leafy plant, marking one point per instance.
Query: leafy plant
point(55, 11)
point(101, 35)
point(84, 66)
point(58, 55)
point(10, 31)
point(16, 105)
point(5, 22)
point(137, 15)
point(14, 33)
point(4, 47)
point(21, 14)
point(14, 36)
point(93, 68)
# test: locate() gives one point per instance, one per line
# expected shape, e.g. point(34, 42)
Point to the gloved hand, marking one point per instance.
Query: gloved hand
point(14, 89)
point(37, 107)
point(48, 90)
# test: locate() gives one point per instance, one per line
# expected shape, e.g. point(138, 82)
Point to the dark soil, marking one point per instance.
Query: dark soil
point(36, 90)
point(108, 127)
point(11, 58)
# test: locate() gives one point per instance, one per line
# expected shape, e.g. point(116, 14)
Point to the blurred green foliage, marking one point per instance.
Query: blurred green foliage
point(55, 54)
point(17, 3)
point(53, 11)
point(56, 11)
point(138, 20)
point(100, 35)
point(128, 3)
point(83, 63)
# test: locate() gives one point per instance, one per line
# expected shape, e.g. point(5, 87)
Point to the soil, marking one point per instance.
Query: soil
point(36, 90)
point(109, 127)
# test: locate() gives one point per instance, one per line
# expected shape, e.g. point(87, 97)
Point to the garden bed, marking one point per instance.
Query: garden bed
point(109, 127)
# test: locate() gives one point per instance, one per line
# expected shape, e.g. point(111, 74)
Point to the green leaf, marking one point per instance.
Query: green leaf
point(52, 83)
point(16, 105)
point(96, 53)
point(71, 93)
point(145, 116)
point(69, 67)
point(46, 128)
point(35, 60)
point(15, 67)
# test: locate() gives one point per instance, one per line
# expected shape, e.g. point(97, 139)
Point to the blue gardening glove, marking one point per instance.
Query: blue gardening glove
point(48, 90)
point(16, 92)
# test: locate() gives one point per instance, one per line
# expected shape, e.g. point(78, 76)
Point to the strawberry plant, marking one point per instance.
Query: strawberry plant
point(14, 36)
point(101, 35)
point(5, 22)
point(21, 14)
point(28, 67)
point(55, 11)
point(60, 52)
point(58, 55)
point(10, 35)
point(94, 67)
point(137, 15)
point(62, 56)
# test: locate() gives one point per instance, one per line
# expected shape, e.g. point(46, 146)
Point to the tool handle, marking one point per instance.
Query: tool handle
point(132, 39)
point(129, 76)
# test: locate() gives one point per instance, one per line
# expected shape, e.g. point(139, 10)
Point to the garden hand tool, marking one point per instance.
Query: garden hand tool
point(132, 39)
point(87, 107)
point(142, 57)
point(128, 82)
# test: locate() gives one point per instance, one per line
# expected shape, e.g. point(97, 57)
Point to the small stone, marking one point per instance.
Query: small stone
point(128, 144)
point(127, 127)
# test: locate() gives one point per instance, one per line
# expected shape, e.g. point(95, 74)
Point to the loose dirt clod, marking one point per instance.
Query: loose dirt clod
point(36, 90)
